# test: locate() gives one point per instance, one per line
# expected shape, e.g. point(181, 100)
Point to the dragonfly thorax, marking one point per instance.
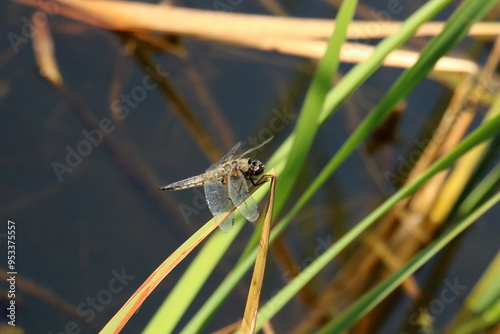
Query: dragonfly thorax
point(248, 167)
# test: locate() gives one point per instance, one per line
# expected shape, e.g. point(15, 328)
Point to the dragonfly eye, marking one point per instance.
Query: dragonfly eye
point(256, 167)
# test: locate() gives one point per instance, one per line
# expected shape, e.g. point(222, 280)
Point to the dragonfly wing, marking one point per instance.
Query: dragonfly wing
point(219, 203)
point(228, 156)
point(238, 191)
point(228, 223)
point(254, 148)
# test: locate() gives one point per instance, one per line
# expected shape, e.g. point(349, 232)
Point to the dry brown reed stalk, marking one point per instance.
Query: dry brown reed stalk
point(294, 36)
point(253, 300)
point(43, 47)
point(217, 25)
point(469, 162)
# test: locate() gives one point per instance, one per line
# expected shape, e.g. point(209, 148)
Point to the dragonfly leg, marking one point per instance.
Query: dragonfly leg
point(253, 182)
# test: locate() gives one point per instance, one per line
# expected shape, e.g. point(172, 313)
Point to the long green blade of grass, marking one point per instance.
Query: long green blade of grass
point(179, 299)
point(487, 186)
point(491, 181)
point(307, 126)
point(307, 123)
point(481, 309)
point(345, 320)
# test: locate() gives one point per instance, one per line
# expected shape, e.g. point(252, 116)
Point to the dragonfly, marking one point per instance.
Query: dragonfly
point(225, 184)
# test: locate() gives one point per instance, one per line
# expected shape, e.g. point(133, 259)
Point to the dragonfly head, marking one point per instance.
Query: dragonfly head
point(256, 167)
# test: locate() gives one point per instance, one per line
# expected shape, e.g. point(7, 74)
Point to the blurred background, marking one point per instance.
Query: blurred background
point(84, 219)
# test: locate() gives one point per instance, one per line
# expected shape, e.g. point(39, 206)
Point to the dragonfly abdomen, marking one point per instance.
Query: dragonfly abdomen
point(194, 181)
point(184, 184)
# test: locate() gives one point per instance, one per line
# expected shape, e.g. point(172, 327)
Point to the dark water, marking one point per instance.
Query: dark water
point(80, 185)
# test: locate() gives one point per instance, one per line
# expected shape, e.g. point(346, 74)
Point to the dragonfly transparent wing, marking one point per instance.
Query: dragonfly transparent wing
point(219, 203)
point(254, 148)
point(228, 156)
point(238, 191)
